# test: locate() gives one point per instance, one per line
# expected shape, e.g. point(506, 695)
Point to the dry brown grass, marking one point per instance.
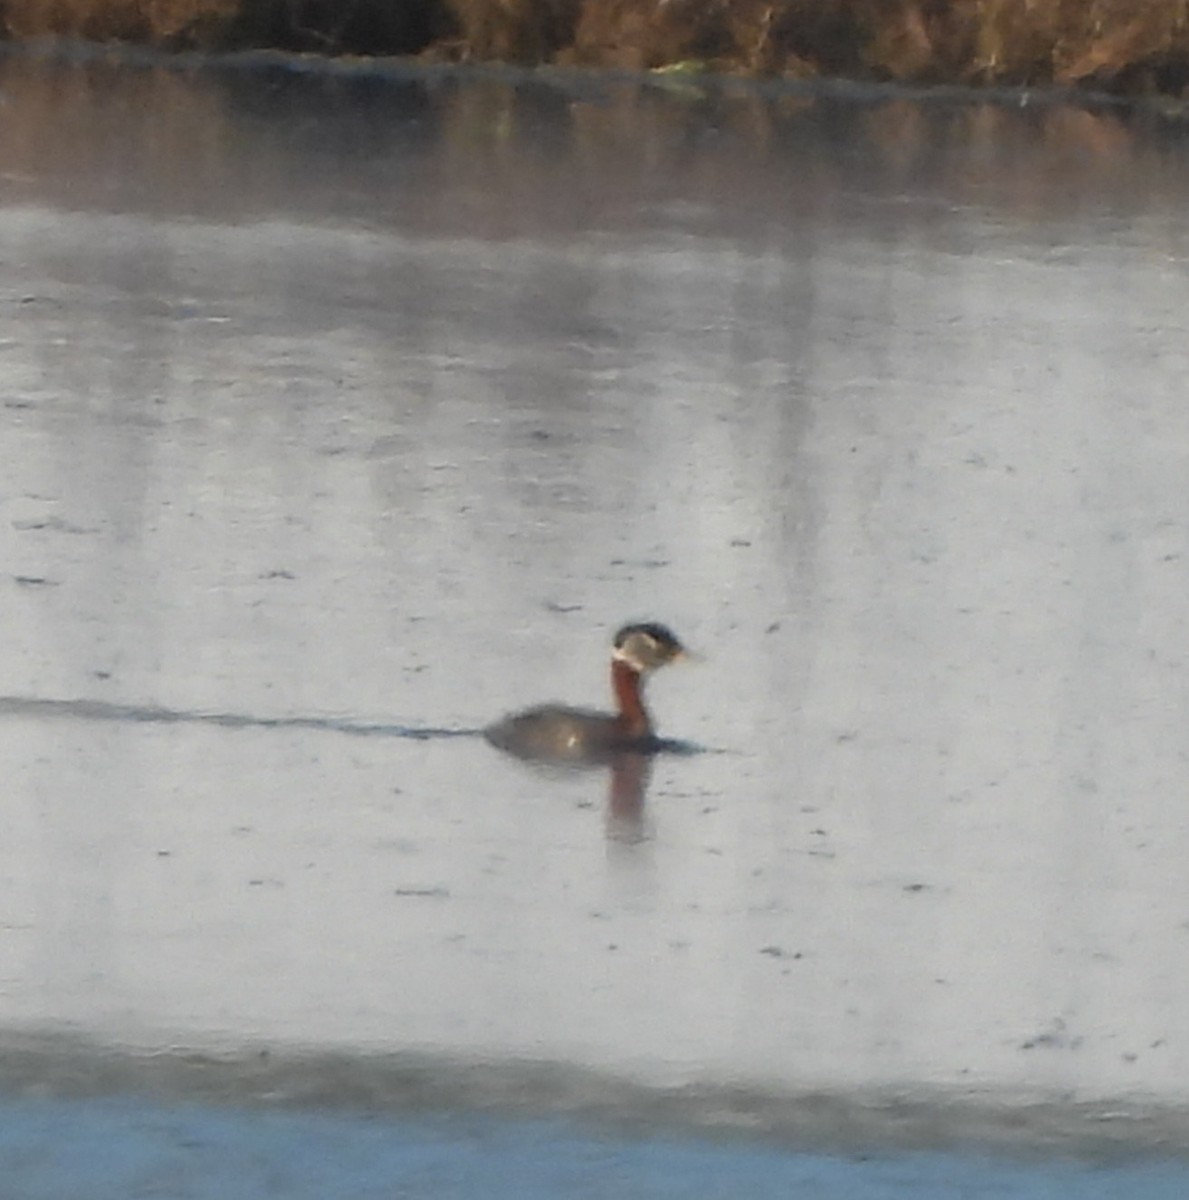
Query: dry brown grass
point(525, 31)
point(162, 22)
point(1033, 42)
point(1127, 45)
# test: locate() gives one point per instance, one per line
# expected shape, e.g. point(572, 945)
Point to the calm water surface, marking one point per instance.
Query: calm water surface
point(337, 410)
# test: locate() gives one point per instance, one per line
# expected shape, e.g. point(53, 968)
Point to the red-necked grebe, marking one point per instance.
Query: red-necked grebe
point(558, 733)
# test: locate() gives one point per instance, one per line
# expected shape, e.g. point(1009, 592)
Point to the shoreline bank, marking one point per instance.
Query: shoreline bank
point(1105, 46)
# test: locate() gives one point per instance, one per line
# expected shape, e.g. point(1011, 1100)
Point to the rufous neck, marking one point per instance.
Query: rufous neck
point(627, 685)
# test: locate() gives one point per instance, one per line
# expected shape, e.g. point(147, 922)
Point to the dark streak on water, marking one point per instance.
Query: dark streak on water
point(103, 710)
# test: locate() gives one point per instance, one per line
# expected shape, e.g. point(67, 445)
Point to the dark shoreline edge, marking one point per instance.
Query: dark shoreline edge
point(583, 82)
point(39, 1065)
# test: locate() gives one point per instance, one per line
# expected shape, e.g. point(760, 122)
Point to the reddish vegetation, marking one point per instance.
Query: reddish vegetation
point(1121, 45)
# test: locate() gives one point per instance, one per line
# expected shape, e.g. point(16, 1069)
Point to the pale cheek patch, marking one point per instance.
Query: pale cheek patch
point(619, 654)
point(636, 662)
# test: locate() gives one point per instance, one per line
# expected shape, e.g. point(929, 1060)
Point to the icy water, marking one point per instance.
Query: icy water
point(343, 412)
point(230, 1154)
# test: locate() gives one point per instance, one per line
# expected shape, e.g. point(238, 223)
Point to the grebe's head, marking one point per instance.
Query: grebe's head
point(647, 646)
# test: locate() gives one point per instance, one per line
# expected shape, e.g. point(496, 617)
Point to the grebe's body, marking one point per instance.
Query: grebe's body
point(558, 733)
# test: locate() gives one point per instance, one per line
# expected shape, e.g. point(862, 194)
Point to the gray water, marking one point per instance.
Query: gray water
point(342, 413)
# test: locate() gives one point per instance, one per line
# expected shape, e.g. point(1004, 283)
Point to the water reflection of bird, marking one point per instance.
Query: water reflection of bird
point(560, 734)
